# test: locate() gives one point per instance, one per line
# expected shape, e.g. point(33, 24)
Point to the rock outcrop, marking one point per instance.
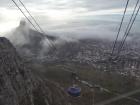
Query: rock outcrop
point(18, 86)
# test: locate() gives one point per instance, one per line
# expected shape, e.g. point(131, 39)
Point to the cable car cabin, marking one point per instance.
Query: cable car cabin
point(74, 91)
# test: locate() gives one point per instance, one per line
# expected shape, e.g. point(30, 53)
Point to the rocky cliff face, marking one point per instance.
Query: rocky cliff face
point(18, 86)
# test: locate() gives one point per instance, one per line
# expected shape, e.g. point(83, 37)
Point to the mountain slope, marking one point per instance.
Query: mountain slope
point(18, 86)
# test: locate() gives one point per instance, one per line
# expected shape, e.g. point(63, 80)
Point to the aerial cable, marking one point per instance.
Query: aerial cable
point(35, 22)
point(128, 26)
point(31, 16)
point(114, 45)
point(24, 15)
point(131, 19)
point(119, 96)
point(129, 30)
point(29, 19)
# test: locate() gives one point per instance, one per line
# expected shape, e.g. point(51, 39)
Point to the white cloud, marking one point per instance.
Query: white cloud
point(76, 17)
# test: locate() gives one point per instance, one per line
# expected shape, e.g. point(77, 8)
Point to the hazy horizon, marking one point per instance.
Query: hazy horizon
point(80, 18)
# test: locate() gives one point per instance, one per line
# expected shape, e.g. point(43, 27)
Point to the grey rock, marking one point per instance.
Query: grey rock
point(18, 86)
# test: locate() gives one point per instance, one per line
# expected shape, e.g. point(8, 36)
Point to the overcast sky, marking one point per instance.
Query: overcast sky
point(76, 18)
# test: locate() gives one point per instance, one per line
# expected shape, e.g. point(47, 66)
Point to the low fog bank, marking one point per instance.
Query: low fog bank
point(71, 32)
point(100, 27)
